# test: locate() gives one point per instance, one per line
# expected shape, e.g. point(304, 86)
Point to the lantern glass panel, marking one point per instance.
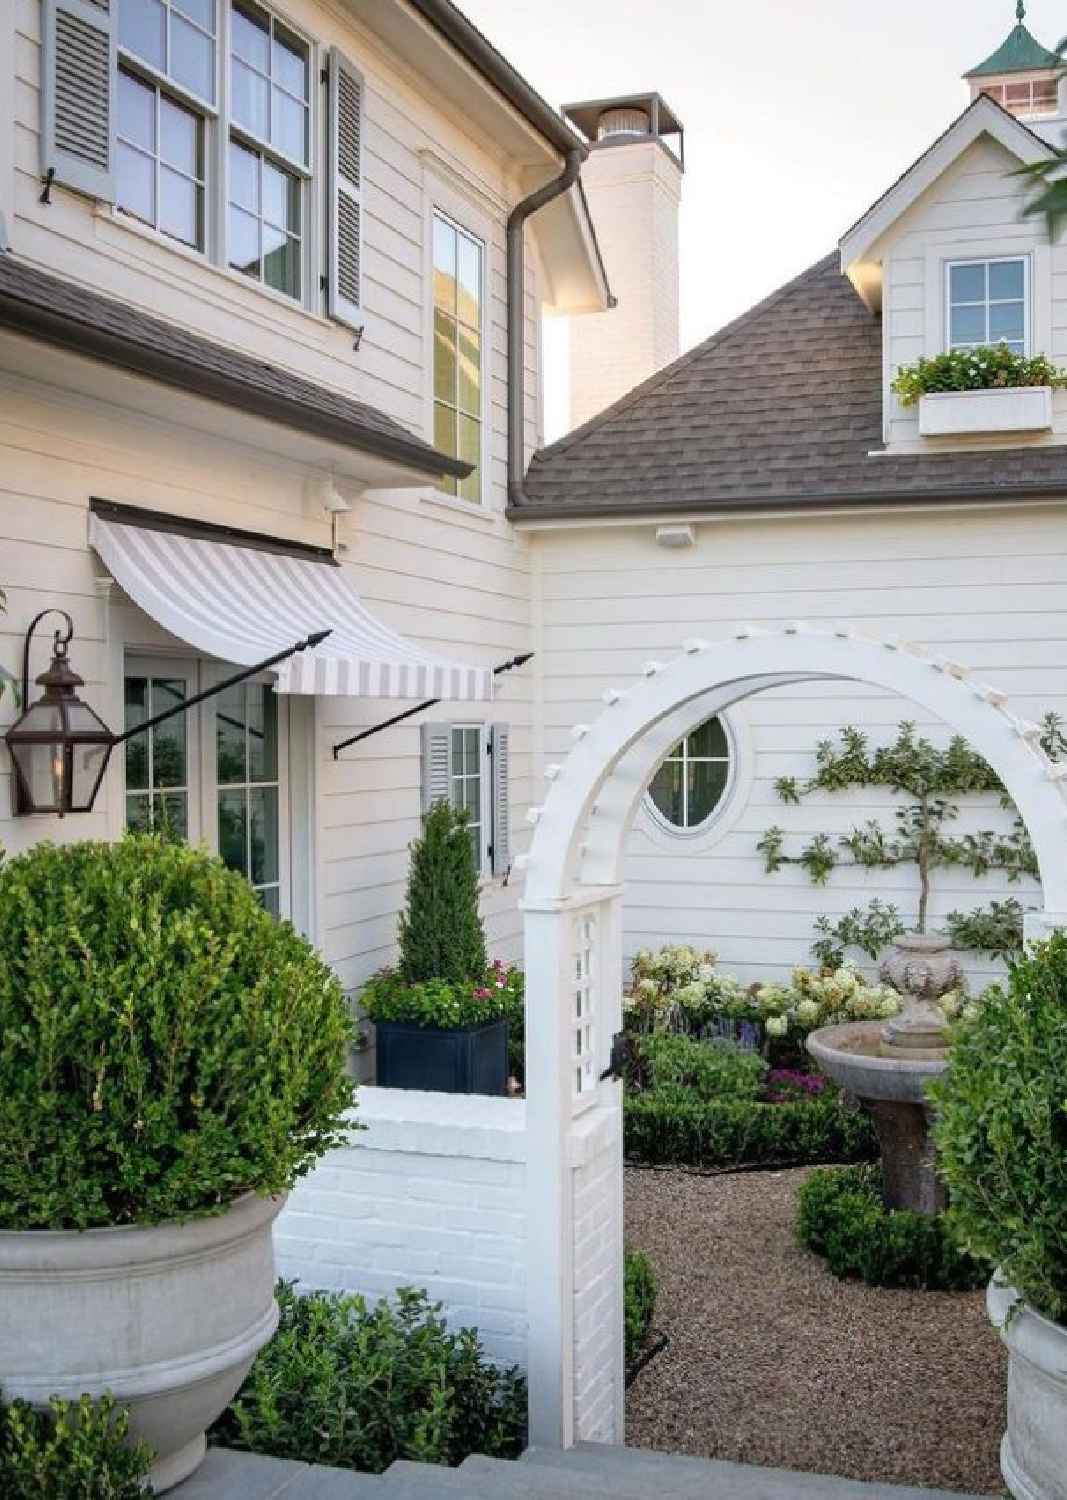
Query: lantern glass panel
point(89, 762)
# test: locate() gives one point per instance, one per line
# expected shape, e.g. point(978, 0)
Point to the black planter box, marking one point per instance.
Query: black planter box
point(444, 1060)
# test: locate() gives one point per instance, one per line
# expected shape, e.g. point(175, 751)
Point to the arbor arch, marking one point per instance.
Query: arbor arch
point(573, 958)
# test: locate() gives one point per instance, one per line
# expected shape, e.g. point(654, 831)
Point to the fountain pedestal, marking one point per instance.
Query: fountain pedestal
point(887, 1067)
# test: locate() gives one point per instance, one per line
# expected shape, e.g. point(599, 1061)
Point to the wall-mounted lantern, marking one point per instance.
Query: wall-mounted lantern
point(60, 747)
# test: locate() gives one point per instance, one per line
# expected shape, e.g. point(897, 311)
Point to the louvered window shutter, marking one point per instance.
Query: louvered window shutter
point(345, 230)
point(501, 806)
point(436, 764)
point(78, 60)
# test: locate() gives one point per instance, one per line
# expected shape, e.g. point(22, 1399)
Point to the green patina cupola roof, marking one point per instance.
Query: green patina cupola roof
point(1020, 53)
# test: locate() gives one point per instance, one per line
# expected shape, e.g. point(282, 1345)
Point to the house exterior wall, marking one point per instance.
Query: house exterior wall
point(982, 586)
point(451, 575)
point(974, 211)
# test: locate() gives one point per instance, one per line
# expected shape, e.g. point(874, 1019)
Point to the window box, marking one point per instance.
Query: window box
point(443, 1060)
point(1005, 409)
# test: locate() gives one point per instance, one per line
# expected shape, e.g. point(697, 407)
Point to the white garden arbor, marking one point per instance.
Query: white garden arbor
point(573, 961)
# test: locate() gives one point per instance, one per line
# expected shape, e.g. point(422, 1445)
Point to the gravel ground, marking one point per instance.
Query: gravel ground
point(772, 1361)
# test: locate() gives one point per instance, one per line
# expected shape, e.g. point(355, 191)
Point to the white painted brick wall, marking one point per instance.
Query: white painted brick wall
point(431, 1193)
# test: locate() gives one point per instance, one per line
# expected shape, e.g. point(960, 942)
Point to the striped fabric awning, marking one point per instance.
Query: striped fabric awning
point(243, 602)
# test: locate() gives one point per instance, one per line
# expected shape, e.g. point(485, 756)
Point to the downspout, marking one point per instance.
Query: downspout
point(516, 324)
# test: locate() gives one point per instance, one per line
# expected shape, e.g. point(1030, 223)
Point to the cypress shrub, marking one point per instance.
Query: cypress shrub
point(440, 932)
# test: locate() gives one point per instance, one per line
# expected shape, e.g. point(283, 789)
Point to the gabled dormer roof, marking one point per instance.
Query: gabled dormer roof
point(860, 260)
point(1020, 52)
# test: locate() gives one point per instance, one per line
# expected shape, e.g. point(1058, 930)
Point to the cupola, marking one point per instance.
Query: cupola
point(1021, 74)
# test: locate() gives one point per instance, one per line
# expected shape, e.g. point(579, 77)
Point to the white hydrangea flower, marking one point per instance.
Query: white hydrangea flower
point(776, 1025)
point(808, 1011)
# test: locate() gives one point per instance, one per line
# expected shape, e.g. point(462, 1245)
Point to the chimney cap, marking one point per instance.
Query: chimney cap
point(586, 114)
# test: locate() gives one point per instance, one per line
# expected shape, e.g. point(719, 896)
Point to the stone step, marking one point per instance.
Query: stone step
point(480, 1476)
point(682, 1476)
point(228, 1475)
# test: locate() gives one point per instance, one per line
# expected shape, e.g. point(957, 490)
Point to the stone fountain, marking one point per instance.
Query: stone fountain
point(887, 1065)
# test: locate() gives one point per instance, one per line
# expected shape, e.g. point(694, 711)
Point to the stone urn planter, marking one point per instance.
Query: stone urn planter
point(167, 1318)
point(1033, 1452)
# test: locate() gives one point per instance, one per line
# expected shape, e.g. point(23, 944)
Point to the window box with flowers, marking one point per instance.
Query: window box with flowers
point(980, 391)
point(441, 1015)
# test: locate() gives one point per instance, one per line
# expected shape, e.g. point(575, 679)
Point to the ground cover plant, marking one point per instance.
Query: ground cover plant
point(74, 1450)
point(166, 1045)
point(357, 1386)
point(840, 1216)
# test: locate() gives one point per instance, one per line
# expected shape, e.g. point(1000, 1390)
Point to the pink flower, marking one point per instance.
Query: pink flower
point(483, 994)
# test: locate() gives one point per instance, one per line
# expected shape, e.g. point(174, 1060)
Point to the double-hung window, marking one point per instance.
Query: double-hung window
point(457, 351)
point(988, 302)
point(198, 118)
point(467, 765)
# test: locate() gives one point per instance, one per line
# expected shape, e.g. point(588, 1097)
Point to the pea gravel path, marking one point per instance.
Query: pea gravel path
point(772, 1361)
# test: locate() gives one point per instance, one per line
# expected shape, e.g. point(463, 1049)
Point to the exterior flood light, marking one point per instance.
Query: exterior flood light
point(60, 747)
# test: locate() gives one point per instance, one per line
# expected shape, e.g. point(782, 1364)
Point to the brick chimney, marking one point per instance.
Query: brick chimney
point(633, 181)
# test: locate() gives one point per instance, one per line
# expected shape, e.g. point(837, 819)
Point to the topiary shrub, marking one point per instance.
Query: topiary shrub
point(666, 1131)
point(1001, 1128)
point(840, 1215)
point(357, 1387)
point(641, 1286)
point(440, 932)
point(74, 1450)
point(165, 1044)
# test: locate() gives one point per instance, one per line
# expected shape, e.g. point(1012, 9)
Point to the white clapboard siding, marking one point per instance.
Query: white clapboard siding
point(988, 589)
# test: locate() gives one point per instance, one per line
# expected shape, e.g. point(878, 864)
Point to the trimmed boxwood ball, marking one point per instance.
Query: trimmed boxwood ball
point(1001, 1128)
point(166, 1046)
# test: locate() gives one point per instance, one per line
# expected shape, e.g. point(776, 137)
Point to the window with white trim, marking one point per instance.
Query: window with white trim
point(457, 351)
point(467, 765)
point(215, 774)
point(691, 782)
point(197, 119)
point(988, 302)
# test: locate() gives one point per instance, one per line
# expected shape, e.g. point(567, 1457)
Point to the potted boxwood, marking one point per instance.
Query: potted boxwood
point(172, 1058)
point(440, 1015)
point(1001, 1133)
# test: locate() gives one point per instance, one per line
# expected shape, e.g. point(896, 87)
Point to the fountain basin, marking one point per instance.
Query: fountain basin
point(890, 1085)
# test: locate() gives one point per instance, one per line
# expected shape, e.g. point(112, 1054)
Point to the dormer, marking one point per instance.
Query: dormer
point(950, 260)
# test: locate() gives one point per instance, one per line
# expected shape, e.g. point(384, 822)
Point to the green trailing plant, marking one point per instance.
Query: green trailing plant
point(986, 367)
point(356, 1386)
point(1001, 1128)
point(72, 1450)
point(840, 1216)
point(641, 1287)
point(440, 932)
point(926, 781)
point(732, 1133)
point(165, 1044)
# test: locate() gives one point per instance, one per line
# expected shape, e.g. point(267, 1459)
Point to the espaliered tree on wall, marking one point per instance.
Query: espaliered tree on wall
point(927, 781)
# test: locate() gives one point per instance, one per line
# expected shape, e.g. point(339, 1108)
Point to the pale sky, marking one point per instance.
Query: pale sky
point(797, 115)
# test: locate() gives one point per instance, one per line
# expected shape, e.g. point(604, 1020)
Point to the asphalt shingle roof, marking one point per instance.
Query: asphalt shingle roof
point(781, 408)
point(73, 317)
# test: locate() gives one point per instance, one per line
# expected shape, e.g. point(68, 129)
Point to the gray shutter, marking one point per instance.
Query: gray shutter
point(78, 60)
point(436, 764)
point(345, 230)
point(498, 747)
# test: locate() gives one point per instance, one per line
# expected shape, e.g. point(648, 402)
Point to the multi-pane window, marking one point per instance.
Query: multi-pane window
point(692, 781)
point(212, 774)
point(270, 80)
point(468, 764)
point(457, 351)
point(157, 762)
point(170, 109)
point(1031, 96)
point(246, 741)
point(160, 160)
point(987, 303)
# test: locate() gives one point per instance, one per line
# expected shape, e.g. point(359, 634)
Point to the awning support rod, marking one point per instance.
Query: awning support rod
point(365, 734)
point(220, 687)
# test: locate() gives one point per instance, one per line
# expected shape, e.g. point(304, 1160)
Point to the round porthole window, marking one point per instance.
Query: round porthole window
point(692, 781)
